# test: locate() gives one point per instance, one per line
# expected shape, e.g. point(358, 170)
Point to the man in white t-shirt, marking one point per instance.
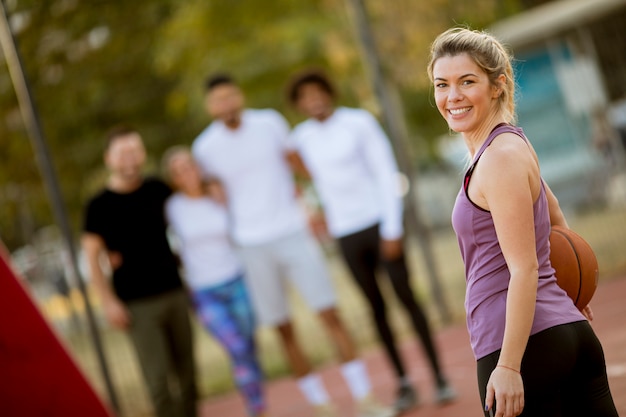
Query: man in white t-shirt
point(247, 152)
point(352, 166)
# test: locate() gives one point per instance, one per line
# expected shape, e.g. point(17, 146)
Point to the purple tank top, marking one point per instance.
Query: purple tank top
point(486, 272)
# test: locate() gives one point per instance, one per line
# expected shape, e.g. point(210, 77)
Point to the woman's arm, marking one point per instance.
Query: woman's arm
point(509, 184)
point(557, 218)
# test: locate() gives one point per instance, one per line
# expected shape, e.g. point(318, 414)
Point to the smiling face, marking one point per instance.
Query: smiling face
point(465, 97)
point(225, 102)
point(314, 101)
point(184, 173)
point(126, 156)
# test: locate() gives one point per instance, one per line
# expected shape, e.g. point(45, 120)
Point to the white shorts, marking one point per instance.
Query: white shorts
point(296, 258)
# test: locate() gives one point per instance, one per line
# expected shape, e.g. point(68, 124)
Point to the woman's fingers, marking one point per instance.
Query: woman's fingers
point(509, 405)
point(489, 397)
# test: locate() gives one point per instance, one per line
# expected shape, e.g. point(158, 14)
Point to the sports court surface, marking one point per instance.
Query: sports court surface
point(609, 306)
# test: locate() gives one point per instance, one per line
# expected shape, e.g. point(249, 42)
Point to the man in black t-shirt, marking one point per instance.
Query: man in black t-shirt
point(126, 222)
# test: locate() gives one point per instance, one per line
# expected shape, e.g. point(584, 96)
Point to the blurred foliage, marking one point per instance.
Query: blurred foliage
point(93, 64)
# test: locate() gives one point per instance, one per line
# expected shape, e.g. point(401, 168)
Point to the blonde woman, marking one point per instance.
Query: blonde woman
point(536, 353)
point(213, 272)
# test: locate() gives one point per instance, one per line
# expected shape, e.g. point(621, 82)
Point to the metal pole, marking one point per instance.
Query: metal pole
point(397, 134)
point(46, 168)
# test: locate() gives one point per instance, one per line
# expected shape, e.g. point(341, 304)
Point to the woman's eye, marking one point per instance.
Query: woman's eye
point(468, 82)
point(441, 85)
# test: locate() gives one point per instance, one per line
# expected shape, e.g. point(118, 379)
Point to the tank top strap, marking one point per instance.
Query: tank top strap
point(498, 130)
point(495, 132)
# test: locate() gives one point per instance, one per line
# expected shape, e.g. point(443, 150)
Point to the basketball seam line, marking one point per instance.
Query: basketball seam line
point(577, 260)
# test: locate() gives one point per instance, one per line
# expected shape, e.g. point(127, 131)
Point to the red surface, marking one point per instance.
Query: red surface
point(37, 376)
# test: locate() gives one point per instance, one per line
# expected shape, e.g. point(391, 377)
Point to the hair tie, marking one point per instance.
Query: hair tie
point(509, 368)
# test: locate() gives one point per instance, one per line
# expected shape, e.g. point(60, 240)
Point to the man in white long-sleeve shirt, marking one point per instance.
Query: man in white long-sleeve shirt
point(352, 165)
point(247, 151)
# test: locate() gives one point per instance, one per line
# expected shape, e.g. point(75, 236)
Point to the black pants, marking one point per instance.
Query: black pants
point(361, 251)
point(564, 374)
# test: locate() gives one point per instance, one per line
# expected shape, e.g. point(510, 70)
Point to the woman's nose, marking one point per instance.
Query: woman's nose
point(454, 93)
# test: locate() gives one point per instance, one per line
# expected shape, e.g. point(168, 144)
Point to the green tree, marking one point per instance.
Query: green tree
point(89, 68)
point(93, 64)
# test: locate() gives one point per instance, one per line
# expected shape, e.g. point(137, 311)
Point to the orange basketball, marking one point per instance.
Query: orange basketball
point(575, 263)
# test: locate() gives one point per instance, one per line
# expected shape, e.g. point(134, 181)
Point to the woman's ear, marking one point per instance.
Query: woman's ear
point(499, 87)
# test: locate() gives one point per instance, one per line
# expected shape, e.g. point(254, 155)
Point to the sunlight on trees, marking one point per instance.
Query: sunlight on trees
point(94, 64)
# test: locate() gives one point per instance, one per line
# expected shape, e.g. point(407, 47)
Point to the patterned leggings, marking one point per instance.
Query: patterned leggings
point(226, 312)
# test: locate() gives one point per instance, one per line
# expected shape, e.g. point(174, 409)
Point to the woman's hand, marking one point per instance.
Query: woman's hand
point(216, 191)
point(587, 312)
point(506, 387)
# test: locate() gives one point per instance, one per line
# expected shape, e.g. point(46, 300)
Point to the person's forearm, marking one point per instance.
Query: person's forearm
point(520, 311)
point(557, 218)
point(391, 227)
point(93, 247)
point(101, 284)
point(297, 166)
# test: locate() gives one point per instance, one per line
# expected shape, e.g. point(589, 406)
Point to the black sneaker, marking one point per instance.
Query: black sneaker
point(406, 398)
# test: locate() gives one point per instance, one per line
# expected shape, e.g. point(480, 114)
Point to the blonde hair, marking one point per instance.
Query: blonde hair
point(487, 52)
point(167, 158)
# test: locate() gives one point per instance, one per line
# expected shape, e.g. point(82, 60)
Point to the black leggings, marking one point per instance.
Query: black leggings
point(362, 254)
point(564, 374)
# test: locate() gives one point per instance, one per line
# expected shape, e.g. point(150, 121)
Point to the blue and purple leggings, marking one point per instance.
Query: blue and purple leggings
point(226, 312)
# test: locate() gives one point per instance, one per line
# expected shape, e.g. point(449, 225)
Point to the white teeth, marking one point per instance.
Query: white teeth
point(459, 111)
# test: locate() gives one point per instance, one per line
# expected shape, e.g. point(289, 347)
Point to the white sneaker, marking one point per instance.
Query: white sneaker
point(445, 394)
point(370, 407)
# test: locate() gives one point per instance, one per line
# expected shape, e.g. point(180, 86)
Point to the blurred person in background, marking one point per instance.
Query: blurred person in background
point(126, 223)
point(536, 353)
point(213, 272)
point(351, 163)
point(247, 152)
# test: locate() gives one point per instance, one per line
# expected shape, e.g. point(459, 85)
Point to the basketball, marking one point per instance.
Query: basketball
point(575, 263)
